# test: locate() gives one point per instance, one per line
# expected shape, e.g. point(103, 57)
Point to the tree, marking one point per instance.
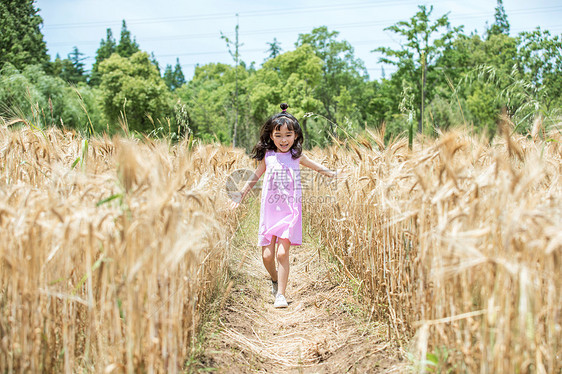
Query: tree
point(127, 46)
point(76, 58)
point(106, 49)
point(73, 68)
point(501, 24)
point(274, 49)
point(482, 72)
point(419, 53)
point(154, 61)
point(21, 40)
point(540, 61)
point(174, 78)
point(46, 100)
point(341, 72)
point(55, 67)
point(208, 98)
point(179, 78)
point(133, 86)
point(234, 51)
point(381, 103)
point(169, 77)
point(290, 77)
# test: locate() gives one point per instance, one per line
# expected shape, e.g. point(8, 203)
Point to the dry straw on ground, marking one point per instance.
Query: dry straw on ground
point(457, 243)
point(109, 250)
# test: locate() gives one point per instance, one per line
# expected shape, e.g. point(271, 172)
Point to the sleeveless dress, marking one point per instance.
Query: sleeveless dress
point(281, 199)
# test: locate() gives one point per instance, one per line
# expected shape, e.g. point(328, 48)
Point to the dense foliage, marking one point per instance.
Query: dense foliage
point(133, 86)
point(444, 78)
point(21, 41)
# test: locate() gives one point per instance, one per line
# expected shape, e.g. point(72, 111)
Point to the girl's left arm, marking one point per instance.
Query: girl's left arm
point(305, 161)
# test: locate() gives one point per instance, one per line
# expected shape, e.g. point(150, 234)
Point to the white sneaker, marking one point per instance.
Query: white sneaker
point(280, 301)
point(274, 288)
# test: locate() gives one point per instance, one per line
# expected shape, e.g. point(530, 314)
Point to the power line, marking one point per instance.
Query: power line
point(254, 13)
point(251, 32)
point(208, 53)
point(483, 15)
point(301, 29)
point(282, 11)
point(515, 11)
point(204, 53)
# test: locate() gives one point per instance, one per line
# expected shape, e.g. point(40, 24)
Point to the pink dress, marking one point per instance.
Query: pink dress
point(281, 199)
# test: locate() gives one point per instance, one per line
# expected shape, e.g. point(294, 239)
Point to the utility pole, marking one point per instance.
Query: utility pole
point(423, 82)
point(236, 58)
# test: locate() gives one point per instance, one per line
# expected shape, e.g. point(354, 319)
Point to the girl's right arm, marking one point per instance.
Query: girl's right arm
point(250, 183)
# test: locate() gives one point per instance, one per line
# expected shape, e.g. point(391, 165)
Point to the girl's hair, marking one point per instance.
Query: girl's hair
point(274, 123)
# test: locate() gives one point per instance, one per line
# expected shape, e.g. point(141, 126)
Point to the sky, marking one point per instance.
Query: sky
point(191, 29)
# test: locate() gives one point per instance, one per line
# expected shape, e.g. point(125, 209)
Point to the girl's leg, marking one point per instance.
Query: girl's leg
point(283, 259)
point(268, 256)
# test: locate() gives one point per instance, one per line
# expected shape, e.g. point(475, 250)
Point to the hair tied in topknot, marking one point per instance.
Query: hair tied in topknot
point(284, 107)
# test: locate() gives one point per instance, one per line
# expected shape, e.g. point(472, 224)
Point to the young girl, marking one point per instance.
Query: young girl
point(279, 152)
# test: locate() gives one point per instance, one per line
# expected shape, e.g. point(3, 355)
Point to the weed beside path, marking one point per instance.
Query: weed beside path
point(324, 329)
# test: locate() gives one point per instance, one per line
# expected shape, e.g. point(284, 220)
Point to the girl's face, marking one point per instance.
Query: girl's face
point(283, 138)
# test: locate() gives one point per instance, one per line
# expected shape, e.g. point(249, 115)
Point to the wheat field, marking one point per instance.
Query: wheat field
point(457, 244)
point(112, 249)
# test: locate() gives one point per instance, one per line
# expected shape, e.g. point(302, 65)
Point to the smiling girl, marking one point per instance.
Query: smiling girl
point(279, 152)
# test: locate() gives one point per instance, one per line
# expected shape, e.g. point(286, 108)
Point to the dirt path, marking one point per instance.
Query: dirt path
point(323, 330)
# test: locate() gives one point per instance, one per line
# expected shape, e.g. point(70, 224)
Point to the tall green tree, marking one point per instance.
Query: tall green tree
point(127, 46)
point(174, 78)
point(274, 49)
point(154, 61)
point(179, 77)
point(46, 100)
point(55, 67)
point(342, 73)
point(501, 24)
point(169, 77)
point(72, 70)
point(208, 98)
point(234, 51)
point(482, 71)
point(419, 53)
point(540, 61)
point(107, 47)
point(21, 40)
point(290, 77)
point(133, 86)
